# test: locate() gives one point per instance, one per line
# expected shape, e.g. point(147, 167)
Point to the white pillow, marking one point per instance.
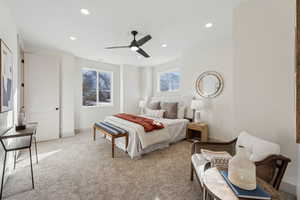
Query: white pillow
point(258, 149)
point(155, 113)
point(181, 112)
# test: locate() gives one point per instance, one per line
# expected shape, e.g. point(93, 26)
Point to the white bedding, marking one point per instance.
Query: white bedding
point(141, 142)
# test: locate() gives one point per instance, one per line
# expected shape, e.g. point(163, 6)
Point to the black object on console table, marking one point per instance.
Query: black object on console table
point(21, 127)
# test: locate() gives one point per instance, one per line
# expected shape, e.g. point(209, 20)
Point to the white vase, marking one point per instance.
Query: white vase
point(21, 118)
point(197, 116)
point(242, 171)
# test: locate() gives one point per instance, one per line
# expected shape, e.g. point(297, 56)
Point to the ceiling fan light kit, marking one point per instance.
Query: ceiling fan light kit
point(136, 45)
point(134, 48)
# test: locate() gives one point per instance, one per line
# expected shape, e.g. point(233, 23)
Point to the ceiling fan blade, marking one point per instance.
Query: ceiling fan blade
point(143, 40)
point(117, 47)
point(143, 53)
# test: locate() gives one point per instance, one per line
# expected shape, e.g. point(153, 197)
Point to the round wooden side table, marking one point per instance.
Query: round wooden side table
point(215, 186)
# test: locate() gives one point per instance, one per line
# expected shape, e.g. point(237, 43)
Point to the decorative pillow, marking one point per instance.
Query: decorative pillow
point(180, 112)
point(154, 113)
point(170, 109)
point(216, 158)
point(154, 105)
point(220, 162)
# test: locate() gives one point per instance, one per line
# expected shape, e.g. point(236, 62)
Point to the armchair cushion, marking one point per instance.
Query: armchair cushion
point(258, 149)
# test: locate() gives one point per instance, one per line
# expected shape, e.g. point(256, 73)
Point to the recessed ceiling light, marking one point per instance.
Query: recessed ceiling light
point(209, 25)
point(73, 38)
point(139, 57)
point(164, 45)
point(85, 11)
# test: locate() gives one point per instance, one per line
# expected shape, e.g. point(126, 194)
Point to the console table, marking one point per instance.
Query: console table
point(18, 140)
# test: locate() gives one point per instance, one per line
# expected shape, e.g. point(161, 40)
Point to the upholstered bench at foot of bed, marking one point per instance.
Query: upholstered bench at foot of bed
point(112, 131)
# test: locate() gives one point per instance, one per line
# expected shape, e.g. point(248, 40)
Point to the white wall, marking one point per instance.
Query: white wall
point(264, 83)
point(85, 117)
point(67, 95)
point(217, 57)
point(8, 33)
point(131, 76)
point(146, 74)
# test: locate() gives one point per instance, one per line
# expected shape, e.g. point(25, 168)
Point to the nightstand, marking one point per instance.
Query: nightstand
point(197, 130)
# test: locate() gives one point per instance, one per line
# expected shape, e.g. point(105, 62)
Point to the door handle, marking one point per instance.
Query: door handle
point(57, 108)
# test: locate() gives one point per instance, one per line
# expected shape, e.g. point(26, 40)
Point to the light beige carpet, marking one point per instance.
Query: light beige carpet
point(79, 168)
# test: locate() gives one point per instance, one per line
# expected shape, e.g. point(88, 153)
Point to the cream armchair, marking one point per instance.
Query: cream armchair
point(270, 165)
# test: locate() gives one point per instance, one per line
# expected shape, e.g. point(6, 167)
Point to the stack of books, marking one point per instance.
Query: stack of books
point(258, 193)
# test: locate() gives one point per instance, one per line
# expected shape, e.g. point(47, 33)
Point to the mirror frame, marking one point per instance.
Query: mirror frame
point(206, 73)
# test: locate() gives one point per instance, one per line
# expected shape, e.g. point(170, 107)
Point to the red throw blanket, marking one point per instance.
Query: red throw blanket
point(148, 124)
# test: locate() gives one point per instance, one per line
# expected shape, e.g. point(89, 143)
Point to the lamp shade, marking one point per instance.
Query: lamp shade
point(197, 104)
point(142, 103)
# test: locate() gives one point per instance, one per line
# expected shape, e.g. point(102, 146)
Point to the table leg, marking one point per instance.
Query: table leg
point(32, 181)
point(4, 163)
point(192, 172)
point(15, 159)
point(36, 153)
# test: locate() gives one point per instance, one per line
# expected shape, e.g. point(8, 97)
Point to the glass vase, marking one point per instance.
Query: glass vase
point(242, 171)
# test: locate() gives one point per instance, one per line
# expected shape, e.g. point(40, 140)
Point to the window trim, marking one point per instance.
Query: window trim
point(166, 71)
point(99, 104)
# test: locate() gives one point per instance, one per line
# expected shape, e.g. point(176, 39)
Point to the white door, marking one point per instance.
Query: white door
point(42, 94)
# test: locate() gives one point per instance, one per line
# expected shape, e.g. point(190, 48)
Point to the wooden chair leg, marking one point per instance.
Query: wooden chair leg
point(3, 171)
point(112, 147)
point(31, 168)
point(192, 172)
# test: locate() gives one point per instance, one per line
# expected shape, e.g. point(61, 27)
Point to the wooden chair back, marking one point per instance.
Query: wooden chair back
point(272, 169)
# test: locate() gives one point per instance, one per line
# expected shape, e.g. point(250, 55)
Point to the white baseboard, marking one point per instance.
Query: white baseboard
point(68, 134)
point(80, 130)
point(288, 187)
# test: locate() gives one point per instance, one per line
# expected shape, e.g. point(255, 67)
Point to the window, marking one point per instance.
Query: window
point(96, 87)
point(169, 81)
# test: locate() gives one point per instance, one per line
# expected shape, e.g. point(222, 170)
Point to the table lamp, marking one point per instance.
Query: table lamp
point(142, 105)
point(196, 105)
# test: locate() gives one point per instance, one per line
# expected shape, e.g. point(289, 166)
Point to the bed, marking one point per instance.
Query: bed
point(141, 143)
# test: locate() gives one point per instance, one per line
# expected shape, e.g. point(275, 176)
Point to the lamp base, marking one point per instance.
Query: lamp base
point(197, 117)
point(142, 112)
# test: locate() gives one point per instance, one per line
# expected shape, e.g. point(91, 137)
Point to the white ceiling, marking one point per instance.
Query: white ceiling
point(178, 23)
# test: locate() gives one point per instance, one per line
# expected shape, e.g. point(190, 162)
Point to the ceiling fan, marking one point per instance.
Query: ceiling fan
point(135, 45)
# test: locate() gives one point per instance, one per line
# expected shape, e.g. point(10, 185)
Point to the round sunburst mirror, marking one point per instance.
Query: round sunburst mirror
point(209, 84)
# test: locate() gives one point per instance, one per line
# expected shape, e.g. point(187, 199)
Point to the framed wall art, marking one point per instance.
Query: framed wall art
point(6, 68)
